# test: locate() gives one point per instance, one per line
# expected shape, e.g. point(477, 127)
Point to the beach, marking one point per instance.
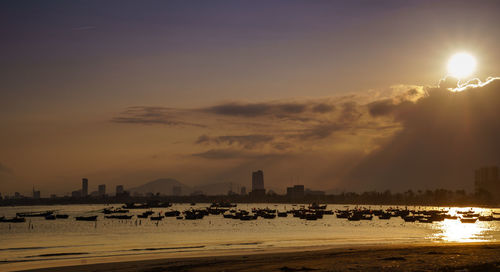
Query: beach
point(418, 257)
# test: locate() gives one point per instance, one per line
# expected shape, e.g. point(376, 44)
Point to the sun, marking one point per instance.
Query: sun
point(461, 65)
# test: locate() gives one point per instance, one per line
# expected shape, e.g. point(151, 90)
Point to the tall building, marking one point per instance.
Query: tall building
point(487, 181)
point(258, 180)
point(243, 190)
point(258, 189)
point(36, 194)
point(119, 190)
point(85, 187)
point(101, 190)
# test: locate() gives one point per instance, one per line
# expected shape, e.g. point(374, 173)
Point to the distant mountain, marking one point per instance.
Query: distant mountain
point(163, 186)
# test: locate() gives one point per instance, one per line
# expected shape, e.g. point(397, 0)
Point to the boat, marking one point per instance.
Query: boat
point(86, 218)
point(50, 217)
point(409, 219)
point(282, 214)
point(468, 220)
point(385, 216)
point(485, 218)
point(354, 217)
point(62, 216)
point(34, 214)
point(13, 220)
point(172, 213)
point(156, 218)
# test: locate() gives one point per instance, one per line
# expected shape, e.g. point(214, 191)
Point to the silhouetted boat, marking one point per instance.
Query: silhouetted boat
point(50, 217)
point(485, 218)
point(172, 213)
point(385, 216)
point(156, 218)
point(282, 214)
point(86, 218)
point(13, 220)
point(62, 216)
point(34, 214)
point(468, 220)
point(409, 219)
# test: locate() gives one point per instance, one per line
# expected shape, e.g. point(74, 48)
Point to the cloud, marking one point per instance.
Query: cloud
point(245, 141)
point(222, 154)
point(444, 137)
point(152, 116)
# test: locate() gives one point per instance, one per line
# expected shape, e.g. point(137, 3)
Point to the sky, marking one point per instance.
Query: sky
point(344, 95)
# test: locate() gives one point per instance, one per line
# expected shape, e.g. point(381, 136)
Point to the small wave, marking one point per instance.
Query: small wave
point(243, 244)
point(58, 254)
point(164, 248)
point(28, 248)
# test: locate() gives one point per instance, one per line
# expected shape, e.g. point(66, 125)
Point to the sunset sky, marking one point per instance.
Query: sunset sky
point(339, 95)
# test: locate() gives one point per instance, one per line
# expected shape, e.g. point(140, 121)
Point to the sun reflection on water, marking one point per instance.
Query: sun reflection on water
point(456, 231)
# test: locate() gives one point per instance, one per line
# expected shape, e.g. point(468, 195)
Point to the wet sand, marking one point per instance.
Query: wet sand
point(430, 257)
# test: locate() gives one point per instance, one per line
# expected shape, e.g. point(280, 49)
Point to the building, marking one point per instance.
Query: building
point(176, 190)
point(101, 190)
point(258, 180)
point(119, 190)
point(258, 189)
point(315, 192)
point(486, 180)
point(243, 190)
point(85, 187)
point(297, 191)
point(36, 194)
point(76, 194)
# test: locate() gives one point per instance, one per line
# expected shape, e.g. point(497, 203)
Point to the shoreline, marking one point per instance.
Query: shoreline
point(481, 256)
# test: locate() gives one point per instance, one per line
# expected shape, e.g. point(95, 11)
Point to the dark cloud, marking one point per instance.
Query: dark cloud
point(152, 116)
point(279, 110)
point(350, 112)
point(222, 154)
point(245, 141)
point(323, 108)
point(203, 139)
point(320, 131)
point(444, 137)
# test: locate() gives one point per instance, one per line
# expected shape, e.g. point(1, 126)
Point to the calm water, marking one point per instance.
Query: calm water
point(70, 239)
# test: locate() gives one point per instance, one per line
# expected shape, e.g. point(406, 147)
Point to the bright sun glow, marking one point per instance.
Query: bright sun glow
point(461, 65)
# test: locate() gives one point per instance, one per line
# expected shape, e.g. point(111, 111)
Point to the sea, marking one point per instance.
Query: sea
point(38, 241)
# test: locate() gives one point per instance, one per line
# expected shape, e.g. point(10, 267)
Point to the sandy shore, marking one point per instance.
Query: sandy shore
point(435, 257)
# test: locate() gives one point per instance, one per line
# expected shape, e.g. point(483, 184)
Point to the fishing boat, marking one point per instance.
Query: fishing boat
point(86, 218)
point(282, 214)
point(34, 214)
point(485, 218)
point(468, 220)
point(409, 219)
point(13, 220)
